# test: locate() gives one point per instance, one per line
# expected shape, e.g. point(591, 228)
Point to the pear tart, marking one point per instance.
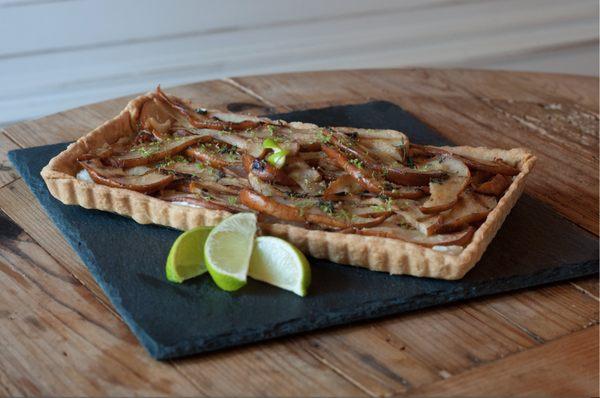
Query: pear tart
point(354, 196)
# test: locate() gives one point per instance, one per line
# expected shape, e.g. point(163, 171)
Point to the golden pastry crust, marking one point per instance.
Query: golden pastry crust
point(376, 253)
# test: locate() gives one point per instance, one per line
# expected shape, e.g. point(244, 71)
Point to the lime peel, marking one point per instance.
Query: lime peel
point(185, 260)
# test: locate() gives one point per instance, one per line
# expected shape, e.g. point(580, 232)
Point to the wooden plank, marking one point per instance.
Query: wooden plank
point(7, 173)
point(565, 367)
point(279, 368)
point(589, 286)
point(419, 35)
point(549, 313)
point(18, 203)
point(398, 354)
point(62, 340)
point(82, 349)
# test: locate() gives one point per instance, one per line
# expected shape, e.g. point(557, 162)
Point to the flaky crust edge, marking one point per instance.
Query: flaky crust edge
point(375, 253)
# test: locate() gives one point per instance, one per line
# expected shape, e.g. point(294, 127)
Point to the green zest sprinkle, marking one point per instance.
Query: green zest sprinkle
point(305, 203)
point(271, 129)
point(326, 206)
point(232, 200)
point(324, 138)
point(357, 163)
point(343, 213)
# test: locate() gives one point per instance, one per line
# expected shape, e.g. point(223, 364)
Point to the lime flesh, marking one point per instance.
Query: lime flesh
point(228, 249)
point(280, 264)
point(185, 260)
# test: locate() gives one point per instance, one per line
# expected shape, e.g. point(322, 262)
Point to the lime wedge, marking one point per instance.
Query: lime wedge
point(185, 259)
point(281, 264)
point(228, 248)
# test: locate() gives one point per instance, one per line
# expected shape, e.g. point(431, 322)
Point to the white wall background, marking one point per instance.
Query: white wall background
point(58, 54)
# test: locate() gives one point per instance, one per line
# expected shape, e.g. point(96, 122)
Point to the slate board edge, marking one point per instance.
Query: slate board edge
point(366, 313)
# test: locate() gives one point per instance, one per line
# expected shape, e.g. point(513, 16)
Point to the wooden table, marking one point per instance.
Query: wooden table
point(59, 335)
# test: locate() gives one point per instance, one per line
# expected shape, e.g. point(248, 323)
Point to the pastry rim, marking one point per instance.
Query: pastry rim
point(376, 253)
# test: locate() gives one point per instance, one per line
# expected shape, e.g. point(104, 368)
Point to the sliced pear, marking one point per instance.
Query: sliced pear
point(205, 200)
point(470, 208)
point(344, 184)
point(116, 177)
point(305, 176)
point(303, 211)
point(444, 192)
point(461, 238)
point(266, 171)
point(494, 167)
point(181, 166)
point(153, 152)
point(214, 154)
point(365, 177)
point(411, 213)
point(494, 186)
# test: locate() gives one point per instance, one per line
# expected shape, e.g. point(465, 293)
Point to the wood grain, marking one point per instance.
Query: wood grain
point(413, 353)
point(83, 349)
point(62, 340)
point(566, 361)
point(7, 173)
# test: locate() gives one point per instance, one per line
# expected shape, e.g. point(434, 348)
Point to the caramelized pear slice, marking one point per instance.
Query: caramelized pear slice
point(343, 185)
point(367, 179)
point(308, 212)
point(411, 213)
point(194, 169)
point(494, 167)
point(207, 201)
point(307, 178)
point(461, 238)
point(403, 175)
point(470, 208)
point(115, 177)
point(266, 171)
point(494, 186)
point(153, 152)
point(444, 192)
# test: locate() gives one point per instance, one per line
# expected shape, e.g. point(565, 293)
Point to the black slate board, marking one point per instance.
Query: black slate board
point(535, 246)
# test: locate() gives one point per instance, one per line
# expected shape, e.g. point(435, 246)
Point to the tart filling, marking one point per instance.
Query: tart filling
point(347, 180)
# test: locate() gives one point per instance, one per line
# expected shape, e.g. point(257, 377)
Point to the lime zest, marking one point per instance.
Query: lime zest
point(185, 260)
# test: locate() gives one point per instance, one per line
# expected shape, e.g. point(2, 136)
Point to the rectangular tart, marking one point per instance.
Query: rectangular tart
point(359, 197)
